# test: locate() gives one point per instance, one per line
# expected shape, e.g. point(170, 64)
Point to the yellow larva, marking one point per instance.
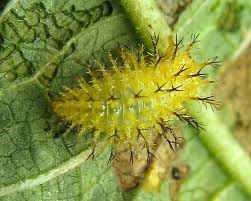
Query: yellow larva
point(136, 100)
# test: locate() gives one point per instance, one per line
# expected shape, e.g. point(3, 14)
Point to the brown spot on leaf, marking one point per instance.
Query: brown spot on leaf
point(151, 174)
point(128, 174)
point(173, 9)
point(234, 90)
point(160, 166)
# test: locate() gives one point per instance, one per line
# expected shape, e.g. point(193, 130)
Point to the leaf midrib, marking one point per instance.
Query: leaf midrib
point(43, 178)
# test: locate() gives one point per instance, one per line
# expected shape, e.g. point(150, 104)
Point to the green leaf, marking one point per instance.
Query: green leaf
point(48, 44)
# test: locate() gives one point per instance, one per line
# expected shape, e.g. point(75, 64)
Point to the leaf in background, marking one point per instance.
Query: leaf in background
point(48, 44)
point(208, 180)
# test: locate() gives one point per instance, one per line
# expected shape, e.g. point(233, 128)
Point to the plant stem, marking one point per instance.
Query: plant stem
point(147, 20)
point(220, 142)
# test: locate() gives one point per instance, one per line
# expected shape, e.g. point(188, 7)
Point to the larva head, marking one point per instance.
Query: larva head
point(138, 99)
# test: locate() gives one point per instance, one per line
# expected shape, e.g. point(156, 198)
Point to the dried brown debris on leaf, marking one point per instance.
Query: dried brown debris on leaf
point(172, 9)
point(234, 90)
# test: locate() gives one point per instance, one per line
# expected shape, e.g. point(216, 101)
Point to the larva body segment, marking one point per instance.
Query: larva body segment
point(129, 103)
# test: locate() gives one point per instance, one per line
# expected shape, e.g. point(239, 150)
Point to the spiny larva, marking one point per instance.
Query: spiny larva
point(139, 98)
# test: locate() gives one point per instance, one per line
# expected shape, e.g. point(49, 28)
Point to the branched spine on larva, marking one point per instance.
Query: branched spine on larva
point(134, 102)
